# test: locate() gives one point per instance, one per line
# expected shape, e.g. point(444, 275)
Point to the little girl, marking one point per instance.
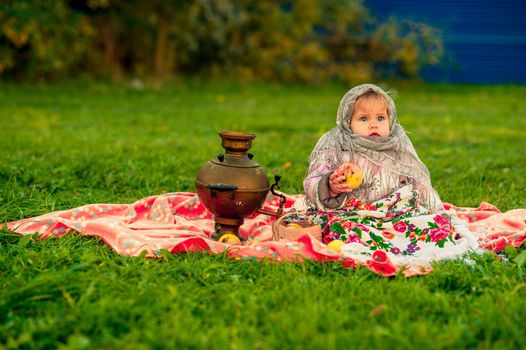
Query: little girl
point(367, 137)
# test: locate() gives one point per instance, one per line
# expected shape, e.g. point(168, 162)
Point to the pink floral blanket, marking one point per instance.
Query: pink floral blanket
point(178, 222)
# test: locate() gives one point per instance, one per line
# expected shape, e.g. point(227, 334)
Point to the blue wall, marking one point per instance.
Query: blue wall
point(485, 41)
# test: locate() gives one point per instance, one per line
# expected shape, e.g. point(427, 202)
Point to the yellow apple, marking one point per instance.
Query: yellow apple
point(336, 245)
point(294, 225)
point(354, 178)
point(229, 238)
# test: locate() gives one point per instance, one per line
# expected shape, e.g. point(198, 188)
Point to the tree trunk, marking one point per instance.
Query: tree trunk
point(163, 30)
point(108, 33)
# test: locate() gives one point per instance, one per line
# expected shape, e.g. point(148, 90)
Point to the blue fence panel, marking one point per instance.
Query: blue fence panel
point(485, 41)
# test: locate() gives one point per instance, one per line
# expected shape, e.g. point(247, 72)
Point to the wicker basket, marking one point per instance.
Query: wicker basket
point(280, 230)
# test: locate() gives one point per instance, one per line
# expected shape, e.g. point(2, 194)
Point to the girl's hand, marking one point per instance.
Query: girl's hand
point(337, 178)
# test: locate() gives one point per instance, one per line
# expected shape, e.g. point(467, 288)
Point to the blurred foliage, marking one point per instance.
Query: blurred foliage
point(303, 40)
point(41, 39)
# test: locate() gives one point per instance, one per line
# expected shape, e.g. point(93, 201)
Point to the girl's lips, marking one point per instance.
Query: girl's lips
point(374, 134)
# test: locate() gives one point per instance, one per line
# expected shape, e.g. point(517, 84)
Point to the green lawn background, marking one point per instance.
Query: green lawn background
point(65, 145)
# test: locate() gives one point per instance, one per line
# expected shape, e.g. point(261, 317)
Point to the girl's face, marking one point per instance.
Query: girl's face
point(370, 117)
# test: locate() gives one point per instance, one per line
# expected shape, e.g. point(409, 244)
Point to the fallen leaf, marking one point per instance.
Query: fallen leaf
point(377, 310)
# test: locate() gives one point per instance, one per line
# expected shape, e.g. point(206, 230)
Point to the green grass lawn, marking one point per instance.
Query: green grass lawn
point(65, 145)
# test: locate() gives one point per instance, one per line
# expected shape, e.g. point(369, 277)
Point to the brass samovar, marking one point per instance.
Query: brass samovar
point(232, 186)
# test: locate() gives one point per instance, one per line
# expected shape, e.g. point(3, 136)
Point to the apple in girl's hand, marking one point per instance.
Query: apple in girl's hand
point(354, 178)
point(353, 175)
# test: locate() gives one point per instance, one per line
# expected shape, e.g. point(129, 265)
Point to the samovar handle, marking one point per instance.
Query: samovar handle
point(282, 199)
point(215, 189)
point(222, 187)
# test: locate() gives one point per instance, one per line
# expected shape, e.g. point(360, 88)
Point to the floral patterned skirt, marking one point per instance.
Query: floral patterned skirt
point(396, 225)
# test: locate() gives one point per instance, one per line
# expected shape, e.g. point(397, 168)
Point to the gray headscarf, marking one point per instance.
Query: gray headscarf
point(394, 153)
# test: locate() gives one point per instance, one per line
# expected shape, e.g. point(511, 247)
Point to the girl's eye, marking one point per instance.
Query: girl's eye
point(362, 119)
point(381, 118)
